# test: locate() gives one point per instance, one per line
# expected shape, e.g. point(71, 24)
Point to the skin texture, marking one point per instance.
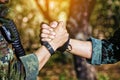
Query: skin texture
point(58, 36)
point(80, 48)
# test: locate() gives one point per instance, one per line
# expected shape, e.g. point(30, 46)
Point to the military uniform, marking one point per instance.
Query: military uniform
point(106, 51)
point(11, 68)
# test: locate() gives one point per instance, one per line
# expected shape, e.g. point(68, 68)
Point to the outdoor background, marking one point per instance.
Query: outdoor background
point(84, 18)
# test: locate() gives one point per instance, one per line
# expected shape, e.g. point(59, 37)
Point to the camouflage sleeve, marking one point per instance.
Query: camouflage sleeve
point(30, 63)
point(110, 52)
point(111, 49)
point(106, 51)
point(96, 51)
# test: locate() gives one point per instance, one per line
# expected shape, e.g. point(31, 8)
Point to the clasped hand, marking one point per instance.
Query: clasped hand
point(55, 34)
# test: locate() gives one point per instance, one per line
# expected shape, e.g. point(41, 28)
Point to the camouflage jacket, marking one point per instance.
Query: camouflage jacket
point(106, 51)
point(12, 69)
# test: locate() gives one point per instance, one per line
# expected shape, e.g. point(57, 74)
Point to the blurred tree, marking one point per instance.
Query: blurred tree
point(28, 20)
point(79, 28)
point(54, 9)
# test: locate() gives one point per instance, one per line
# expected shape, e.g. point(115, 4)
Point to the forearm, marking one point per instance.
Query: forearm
point(81, 48)
point(34, 62)
point(43, 54)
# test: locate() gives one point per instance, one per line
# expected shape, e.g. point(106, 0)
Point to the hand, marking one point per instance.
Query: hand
point(56, 34)
point(47, 32)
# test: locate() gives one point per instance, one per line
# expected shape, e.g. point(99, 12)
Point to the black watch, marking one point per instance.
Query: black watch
point(49, 47)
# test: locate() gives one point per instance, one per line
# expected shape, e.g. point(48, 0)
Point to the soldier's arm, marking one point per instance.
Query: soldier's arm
point(95, 50)
point(98, 51)
point(34, 62)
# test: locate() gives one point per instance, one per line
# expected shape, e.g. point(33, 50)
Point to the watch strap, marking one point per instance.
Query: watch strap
point(49, 47)
point(65, 46)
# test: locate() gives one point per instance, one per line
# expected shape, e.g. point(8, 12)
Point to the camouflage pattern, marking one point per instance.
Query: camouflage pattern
point(96, 51)
point(3, 48)
point(10, 68)
point(8, 64)
point(31, 66)
point(106, 51)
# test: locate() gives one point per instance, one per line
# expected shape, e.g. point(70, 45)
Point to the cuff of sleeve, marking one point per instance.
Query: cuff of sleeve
point(96, 51)
point(30, 63)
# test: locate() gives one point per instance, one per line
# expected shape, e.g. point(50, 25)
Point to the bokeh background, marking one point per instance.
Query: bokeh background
point(83, 18)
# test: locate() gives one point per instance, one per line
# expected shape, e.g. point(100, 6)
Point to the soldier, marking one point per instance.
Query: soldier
point(11, 68)
point(21, 66)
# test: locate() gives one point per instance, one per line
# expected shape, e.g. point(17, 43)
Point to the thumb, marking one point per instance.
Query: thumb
point(53, 24)
point(61, 24)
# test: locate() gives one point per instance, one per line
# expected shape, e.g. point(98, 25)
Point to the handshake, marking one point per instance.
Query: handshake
point(55, 37)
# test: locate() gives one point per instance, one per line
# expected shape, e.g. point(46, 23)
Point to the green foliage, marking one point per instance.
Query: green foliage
point(28, 21)
point(105, 17)
point(62, 77)
point(103, 77)
point(11, 74)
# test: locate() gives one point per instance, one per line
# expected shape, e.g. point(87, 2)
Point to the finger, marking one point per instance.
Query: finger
point(52, 33)
point(46, 31)
point(54, 24)
point(45, 26)
point(46, 39)
point(51, 29)
point(44, 35)
point(51, 37)
point(47, 36)
point(61, 24)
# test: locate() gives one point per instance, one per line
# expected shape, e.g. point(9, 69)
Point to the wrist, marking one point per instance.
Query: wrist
point(53, 45)
point(69, 47)
point(49, 47)
point(66, 46)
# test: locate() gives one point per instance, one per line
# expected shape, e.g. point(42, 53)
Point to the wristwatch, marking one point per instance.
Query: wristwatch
point(49, 47)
